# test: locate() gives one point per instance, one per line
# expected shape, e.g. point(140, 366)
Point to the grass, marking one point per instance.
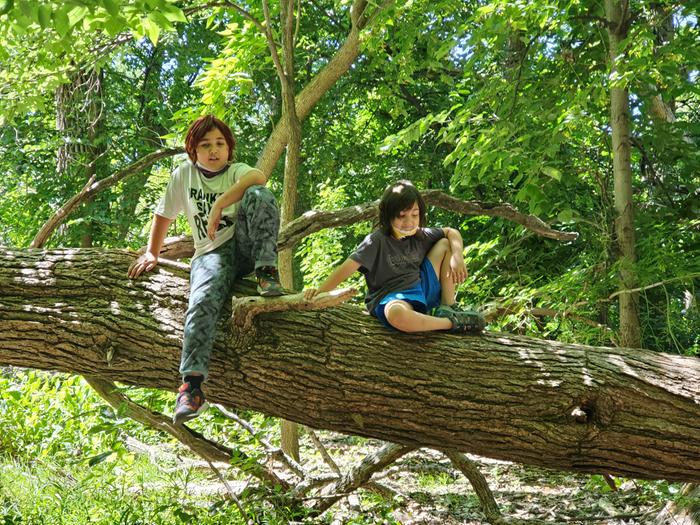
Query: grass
point(107, 494)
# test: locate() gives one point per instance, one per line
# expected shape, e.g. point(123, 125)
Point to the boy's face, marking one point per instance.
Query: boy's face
point(408, 220)
point(212, 151)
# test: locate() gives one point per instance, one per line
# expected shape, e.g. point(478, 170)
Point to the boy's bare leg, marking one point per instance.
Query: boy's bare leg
point(439, 256)
point(403, 317)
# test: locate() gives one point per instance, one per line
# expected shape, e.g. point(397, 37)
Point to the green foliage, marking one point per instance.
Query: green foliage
point(320, 253)
point(61, 19)
point(64, 459)
point(48, 494)
point(499, 101)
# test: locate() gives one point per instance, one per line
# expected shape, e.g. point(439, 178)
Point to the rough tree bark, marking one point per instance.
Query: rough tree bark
point(588, 409)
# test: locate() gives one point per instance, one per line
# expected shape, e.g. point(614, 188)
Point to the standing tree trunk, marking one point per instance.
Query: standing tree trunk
point(79, 111)
point(285, 71)
point(289, 430)
point(618, 15)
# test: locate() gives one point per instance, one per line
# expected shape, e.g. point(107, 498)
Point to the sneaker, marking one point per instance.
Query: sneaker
point(189, 404)
point(463, 321)
point(268, 281)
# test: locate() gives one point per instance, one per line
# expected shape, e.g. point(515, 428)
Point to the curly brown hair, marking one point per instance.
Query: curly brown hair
point(201, 127)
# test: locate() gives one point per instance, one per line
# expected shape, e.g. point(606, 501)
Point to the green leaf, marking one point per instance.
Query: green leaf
point(486, 10)
point(114, 26)
point(6, 6)
point(565, 215)
point(111, 6)
point(99, 458)
point(173, 13)
point(45, 15)
point(151, 29)
point(102, 427)
point(20, 28)
point(61, 23)
point(27, 8)
point(160, 20)
point(76, 14)
point(552, 172)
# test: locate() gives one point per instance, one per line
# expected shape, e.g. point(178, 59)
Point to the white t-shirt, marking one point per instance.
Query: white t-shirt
point(191, 192)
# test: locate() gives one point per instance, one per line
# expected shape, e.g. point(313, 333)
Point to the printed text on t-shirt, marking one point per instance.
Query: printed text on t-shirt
point(405, 259)
point(203, 202)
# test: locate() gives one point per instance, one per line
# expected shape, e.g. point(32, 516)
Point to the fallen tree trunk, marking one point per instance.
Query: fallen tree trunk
point(629, 412)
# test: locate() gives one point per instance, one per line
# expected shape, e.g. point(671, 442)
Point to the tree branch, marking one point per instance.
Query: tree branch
point(327, 459)
point(360, 475)
point(316, 220)
point(504, 211)
point(92, 188)
point(245, 14)
point(271, 45)
point(479, 483)
point(649, 286)
point(274, 452)
point(246, 308)
point(203, 447)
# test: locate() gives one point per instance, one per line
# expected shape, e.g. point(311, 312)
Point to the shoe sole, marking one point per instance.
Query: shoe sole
point(186, 417)
point(272, 293)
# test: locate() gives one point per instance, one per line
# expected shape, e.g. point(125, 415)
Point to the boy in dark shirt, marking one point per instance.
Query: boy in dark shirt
point(409, 269)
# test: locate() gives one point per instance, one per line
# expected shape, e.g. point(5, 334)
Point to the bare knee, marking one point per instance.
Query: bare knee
point(399, 315)
point(437, 254)
point(441, 247)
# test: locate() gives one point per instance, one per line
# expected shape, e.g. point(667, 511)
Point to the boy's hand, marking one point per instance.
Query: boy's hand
point(458, 270)
point(310, 293)
point(213, 221)
point(145, 263)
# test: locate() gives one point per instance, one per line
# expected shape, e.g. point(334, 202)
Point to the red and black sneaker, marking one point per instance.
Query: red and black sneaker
point(189, 404)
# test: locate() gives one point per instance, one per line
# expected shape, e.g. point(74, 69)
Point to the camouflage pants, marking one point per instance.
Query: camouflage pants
point(253, 245)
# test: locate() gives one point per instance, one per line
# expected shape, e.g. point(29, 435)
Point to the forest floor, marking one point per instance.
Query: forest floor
point(430, 491)
point(434, 492)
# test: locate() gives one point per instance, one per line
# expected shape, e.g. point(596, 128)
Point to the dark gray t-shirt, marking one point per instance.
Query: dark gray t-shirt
point(391, 265)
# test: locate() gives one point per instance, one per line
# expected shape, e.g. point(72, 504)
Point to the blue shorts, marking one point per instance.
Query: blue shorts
point(424, 296)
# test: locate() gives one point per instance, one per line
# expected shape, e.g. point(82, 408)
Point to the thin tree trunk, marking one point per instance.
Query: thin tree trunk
point(617, 12)
point(318, 86)
point(286, 73)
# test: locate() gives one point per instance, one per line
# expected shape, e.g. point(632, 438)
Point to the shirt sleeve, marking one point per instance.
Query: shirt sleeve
point(240, 170)
point(433, 235)
point(366, 253)
point(172, 201)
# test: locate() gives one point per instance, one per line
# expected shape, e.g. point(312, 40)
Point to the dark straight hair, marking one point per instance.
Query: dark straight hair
point(398, 197)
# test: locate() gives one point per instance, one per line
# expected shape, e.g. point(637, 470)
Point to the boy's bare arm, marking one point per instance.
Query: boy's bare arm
point(232, 196)
point(340, 274)
point(148, 261)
